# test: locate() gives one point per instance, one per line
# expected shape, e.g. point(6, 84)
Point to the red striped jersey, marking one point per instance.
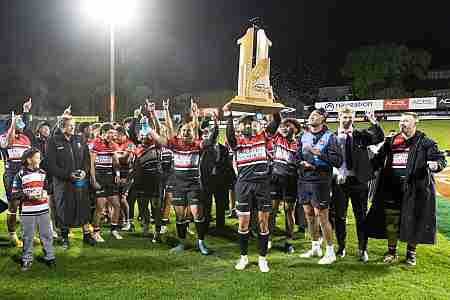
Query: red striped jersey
point(149, 157)
point(166, 159)
point(123, 152)
point(90, 143)
point(186, 159)
point(14, 151)
point(252, 157)
point(29, 186)
point(104, 156)
point(284, 151)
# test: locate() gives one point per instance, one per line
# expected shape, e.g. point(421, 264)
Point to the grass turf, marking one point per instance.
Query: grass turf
point(134, 268)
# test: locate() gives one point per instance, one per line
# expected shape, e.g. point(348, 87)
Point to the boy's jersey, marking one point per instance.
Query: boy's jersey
point(29, 186)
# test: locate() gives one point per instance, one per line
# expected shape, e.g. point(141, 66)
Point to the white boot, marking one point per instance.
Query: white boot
point(315, 250)
point(242, 263)
point(263, 265)
point(329, 258)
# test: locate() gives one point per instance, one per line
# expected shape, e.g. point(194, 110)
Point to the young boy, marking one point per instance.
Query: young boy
point(30, 188)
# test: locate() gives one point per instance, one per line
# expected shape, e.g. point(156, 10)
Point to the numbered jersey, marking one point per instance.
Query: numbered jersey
point(13, 153)
point(252, 157)
point(186, 160)
point(283, 155)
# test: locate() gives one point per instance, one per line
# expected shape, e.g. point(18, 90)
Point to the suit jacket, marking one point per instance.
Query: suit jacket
point(361, 139)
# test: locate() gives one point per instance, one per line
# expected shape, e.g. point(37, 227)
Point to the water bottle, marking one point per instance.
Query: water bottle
point(79, 184)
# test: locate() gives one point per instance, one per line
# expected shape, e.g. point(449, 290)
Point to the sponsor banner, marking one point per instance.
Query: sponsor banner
point(423, 103)
point(443, 103)
point(88, 119)
point(396, 104)
point(361, 105)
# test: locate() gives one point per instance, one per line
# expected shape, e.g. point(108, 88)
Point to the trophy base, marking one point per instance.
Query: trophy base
point(255, 105)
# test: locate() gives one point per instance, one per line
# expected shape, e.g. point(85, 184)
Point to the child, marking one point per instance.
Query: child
point(29, 187)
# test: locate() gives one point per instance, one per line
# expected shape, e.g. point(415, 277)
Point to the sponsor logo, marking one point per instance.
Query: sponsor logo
point(329, 107)
point(362, 105)
point(422, 103)
point(396, 104)
point(444, 102)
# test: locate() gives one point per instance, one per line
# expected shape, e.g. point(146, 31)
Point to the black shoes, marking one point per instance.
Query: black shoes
point(89, 240)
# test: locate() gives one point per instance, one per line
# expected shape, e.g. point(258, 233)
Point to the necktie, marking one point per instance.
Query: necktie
point(348, 152)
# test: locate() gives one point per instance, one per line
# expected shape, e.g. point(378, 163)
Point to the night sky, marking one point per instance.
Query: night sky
point(190, 45)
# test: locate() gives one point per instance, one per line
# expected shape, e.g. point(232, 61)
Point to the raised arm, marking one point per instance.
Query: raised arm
point(8, 138)
point(230, 133)
point(195, 122)
point(273, 125)
point(373, 135)
point(168, 120)
point(26, 118)
point(212, 138)
point(159, 139)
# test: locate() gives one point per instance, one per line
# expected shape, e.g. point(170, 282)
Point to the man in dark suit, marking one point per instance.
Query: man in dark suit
point(214, 169)
point(351, 179)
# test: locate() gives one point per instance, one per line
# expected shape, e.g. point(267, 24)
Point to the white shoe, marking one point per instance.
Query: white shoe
point(269, 245)
point(313, 252)
point(328, 259)
point(263, 265)
point(363, 256)
point(55, 235)
point(98, 237)
point(163, 229)
point(242, 263)
point(116, 235)
point(126, 226)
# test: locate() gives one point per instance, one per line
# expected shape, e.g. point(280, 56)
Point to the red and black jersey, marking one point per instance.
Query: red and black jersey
point(166, 159)
point(148, 158)
point(400, 153)
point(124, 153)
point(90, 143)
point(13, 153)
point(104, 156)
point(283, 155)
point(252, 157)
point(186, 160)
point(29, 186)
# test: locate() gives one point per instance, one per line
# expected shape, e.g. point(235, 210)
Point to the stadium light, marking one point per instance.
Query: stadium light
point(111, 13)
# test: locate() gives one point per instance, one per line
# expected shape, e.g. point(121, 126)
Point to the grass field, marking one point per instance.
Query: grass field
point(134, 268)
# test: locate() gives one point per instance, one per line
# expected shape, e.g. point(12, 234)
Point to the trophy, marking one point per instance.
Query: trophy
point(255, 94)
